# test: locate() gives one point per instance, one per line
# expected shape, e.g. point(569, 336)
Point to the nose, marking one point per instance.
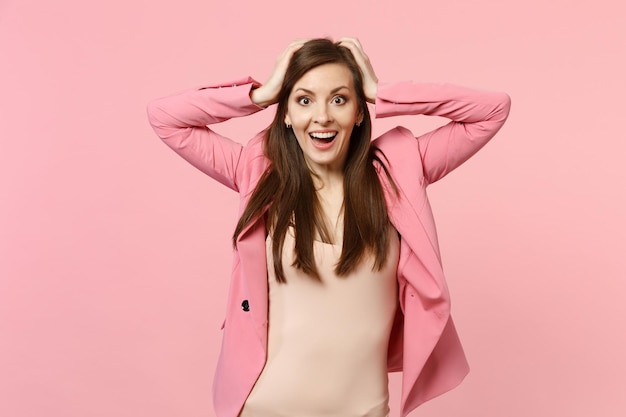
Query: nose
point(322, 114)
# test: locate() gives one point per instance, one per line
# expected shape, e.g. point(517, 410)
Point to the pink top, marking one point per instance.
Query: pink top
point(327, 341)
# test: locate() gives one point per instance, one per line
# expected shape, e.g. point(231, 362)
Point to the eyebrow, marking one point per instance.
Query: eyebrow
point(334, 90)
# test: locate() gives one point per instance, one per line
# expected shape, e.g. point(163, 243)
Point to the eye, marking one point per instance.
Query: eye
point(339, 100)
point(304, 100)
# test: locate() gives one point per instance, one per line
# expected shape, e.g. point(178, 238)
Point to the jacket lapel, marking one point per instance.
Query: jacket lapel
point(407, 221)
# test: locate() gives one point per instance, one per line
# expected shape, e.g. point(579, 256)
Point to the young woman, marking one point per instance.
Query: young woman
point(337, 277)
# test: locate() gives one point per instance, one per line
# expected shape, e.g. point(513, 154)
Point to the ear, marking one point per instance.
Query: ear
point(287, 120)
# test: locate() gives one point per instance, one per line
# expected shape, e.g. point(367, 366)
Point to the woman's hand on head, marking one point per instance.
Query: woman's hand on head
point(370, 81)
point(267, 94)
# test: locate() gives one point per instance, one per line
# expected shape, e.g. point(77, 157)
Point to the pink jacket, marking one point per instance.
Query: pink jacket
point(424, 343)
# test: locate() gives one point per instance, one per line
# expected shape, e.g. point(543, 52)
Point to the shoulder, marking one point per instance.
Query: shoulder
point(254, 147)
point(399, 152)
point(397, 144)
point(397, 137)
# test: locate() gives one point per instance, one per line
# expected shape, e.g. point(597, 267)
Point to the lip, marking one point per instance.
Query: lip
point(320, 144)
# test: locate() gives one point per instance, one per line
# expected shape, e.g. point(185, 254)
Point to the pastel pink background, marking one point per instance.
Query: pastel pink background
point(115, 253)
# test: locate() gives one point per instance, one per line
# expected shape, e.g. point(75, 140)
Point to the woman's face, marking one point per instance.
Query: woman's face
point(322, 110)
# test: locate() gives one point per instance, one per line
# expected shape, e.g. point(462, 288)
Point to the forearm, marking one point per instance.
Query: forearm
point(202, 106)
point(457, 103)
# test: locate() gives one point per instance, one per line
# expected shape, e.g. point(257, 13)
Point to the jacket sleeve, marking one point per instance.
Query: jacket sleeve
point(476, 116)
point(181, 120)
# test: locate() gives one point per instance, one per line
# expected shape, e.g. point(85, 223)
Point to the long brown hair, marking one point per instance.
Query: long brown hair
point(287, 186)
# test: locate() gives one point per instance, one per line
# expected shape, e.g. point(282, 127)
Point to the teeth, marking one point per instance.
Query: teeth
point(325, 135)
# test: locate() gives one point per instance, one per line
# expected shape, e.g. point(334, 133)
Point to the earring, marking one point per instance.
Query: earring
point(287, 125)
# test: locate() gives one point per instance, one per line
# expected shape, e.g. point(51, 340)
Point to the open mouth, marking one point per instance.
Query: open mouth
point(323, 137)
